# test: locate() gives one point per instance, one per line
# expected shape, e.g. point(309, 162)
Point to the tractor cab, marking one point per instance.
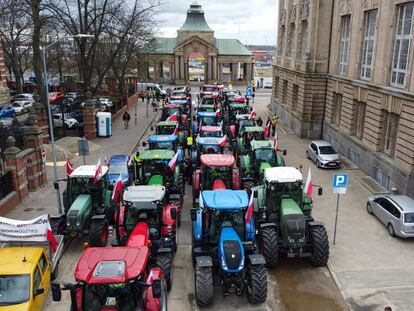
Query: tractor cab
point(206, 108)
point(211, 131)
point(182, 101)
point(212, 99)
point(205, 118)
point(168, 142)
point(206, 145)
point(169, 110)
point(249, 133)
point(166, 127)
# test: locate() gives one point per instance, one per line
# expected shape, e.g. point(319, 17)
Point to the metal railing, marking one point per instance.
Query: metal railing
point(6, 184)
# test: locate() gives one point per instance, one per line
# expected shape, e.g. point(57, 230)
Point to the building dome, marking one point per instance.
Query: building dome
point(195, 20)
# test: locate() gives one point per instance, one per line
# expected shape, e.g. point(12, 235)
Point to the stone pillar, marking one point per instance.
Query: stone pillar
point(42, 120)
point(161, 69)
point(233, 73)
point(89, 120)
point(176, 69)
point(215, 75)
point(181, 68)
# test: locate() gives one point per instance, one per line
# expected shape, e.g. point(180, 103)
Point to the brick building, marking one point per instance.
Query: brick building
point(344, 72)
point(4, 91)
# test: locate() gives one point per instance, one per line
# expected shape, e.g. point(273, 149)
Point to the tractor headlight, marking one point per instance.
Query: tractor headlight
point(241, 265)
point(78, 223)
point(223, 264)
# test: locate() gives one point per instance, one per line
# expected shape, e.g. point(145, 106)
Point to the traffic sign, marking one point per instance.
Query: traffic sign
point(339, 183)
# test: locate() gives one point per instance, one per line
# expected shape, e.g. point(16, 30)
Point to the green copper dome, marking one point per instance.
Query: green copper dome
point(195, 19)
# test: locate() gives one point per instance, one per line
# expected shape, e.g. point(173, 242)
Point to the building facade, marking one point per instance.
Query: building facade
point(361, 97)
point(4, 91)
point(225, 60)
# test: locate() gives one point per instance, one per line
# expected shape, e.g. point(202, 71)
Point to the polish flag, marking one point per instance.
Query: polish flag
point(106, 163)
point(222, 141)
point(130, 161)
point(267, 129)
point(69, 166)
point(173, 117)
point(173, 161)
point(98, 172)
point(308, 186)
point(176, 130)
point(51, 237)
point(117, 190)
point(276, 141)
point(252, 114)
point(218, 113)
point(249, 212)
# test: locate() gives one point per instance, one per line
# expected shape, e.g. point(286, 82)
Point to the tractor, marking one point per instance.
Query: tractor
point(205, 118)
point(161, 212)
point(261, 156)
point(212, 99)
point(177, 110)
point(217, 172)
point(117, 278)
point(236, 106)
point(283, 216)
point(207, 145)
point(169, 128)
point(87, 205)
point(241, 122)
point(184, 102)
point(249, 133)
point(211, 131)
point(223, 248)
point(154, 170)
point(167, 142)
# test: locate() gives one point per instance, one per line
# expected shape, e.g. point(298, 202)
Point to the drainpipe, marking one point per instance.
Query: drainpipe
point(328, 69)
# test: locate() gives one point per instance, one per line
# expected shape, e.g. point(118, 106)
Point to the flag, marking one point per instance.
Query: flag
point(308, 186)
point(117, 189)
point(130, 161)
point(222, 141)
point(69, 166)
point(173, 117)
point(51, 238)
point(200, 125)
point(98, 172)
point(173, 161)
point(249, 211)
point(176, 130)
point(267, 129)
point(218, 113)
point(252, 114)
point(106, 163)
point(276, 141)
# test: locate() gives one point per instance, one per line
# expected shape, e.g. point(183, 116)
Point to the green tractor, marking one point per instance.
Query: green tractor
point(169, 128)
point(249, 133)
point(282, 213)
point(262, 155)
point(87, 206)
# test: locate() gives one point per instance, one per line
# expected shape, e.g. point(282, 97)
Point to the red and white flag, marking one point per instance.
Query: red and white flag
point(130, 161)
point(218, 113)
point(106, 163)
point(267, 129)
point(276, 141)
point(252, 114)
point(51, 237)
point(176, 130)
point(308, 186)
point(117, 190)
point(98, 172)
point(173, 161)
point(222, 141)
point(69, 166)
point(249, 212)
point(173, 117)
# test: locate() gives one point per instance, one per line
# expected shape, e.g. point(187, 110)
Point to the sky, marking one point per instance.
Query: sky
point(252, 22)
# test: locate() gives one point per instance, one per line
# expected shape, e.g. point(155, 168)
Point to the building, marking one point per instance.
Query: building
point(4, 90)
point(343, 71)
point(172, 59)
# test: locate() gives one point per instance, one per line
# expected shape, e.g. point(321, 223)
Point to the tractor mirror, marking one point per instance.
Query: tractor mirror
point(193, 213)
point(144, 144)
point(284, 152)
point(56, 185)
point(173, 212)
point(152, 128)
point(320, 191)
point(56, 292)
point(156, 288)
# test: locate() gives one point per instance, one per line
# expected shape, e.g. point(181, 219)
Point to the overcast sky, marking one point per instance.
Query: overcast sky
point(252, 22)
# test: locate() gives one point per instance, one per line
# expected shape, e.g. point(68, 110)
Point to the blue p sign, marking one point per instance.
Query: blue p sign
point(339, 183)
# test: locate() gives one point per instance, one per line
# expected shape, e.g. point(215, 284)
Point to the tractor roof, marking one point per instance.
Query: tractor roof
point(237, 105)
point(118, 159)
point(167, 123)
point(161, 138)
point(242, 116)
point(212, 95)
point(217, 160)
point(282, 174)
point(178, 101)
point(238, 98)
point(211, 128)
point(172, 106)
point(105, 265)
point(144, 193)
point(209, 106)
point(215, 141)
point(225, 199)
point(157, 154)
point(206, 114)
point(262, 144)
point(87, 171)
point(253, 129)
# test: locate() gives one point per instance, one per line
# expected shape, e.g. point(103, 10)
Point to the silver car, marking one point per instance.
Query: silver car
point(323, 154)
point(396, 212)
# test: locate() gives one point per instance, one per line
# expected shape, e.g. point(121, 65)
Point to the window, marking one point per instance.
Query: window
point(402, 43)
point(295, 97)
point(276, 87)
point(354, 157)
point(344, 47)
point(360, 118)
point(370, 20)
point(382, 178)
point(282, 41)
point(37, 279)
point(43, 263)
point(390, 122)
point(285, 87)
point(336, 109)
point(304, 40)
point(292, 43)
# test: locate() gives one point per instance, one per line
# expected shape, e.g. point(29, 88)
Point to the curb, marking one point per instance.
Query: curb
point(142, 134)
point(337, 283)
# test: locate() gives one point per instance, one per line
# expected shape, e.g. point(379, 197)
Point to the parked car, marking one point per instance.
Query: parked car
point(69, 122)
point(23, 96)
point(323, 154)
point(118, 166)
point(72, 95)
point(268, 85)
point(396, 212)
point(54, 96)
point(7, 112)
point(106, 102)
point(18, 106)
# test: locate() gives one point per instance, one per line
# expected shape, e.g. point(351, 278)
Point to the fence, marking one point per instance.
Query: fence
point(6, 184)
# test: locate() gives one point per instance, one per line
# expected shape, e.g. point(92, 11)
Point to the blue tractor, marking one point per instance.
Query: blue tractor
point(168, 142)
point(205, 118)
point(206, 145)
point(223, 248)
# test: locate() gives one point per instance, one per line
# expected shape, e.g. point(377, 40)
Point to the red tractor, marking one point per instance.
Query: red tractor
point(117, 278)
point(217, 172)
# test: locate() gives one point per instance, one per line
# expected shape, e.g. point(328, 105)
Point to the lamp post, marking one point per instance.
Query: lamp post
point(49, 111)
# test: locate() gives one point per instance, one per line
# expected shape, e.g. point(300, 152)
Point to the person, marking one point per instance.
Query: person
point(258, 84)
point(189, 144)
point(188, 171)
point(137, 164)
point(259, 121)
point(254, 86)
point(253, 93)
point(275, 119)
point(158, 95)
point(142, 95)
point(126, 117)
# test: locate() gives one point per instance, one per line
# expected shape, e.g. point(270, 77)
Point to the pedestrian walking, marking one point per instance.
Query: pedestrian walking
point(158, 96)
point(188, 171)
point(126, 117)
point(275, 119)
point(189, 144)
point(254, 86)
point(259, 121)
point(142, 94)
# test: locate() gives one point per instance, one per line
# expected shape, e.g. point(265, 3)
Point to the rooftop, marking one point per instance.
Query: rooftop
point(282, 174)
point(144, 193)
point(157, 154)
point(225, 199)
point(87, 171)
point(195, 20)
point(217, 159)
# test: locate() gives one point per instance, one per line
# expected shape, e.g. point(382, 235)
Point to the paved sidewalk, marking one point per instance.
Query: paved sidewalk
point(121, 141)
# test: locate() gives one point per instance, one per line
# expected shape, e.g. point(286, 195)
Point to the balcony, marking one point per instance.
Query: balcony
point(305, 10)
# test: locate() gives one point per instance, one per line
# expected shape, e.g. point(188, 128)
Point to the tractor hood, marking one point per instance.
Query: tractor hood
point(263, 166)
point(231, 251)
point(156, 180)
point(79, 211)
point(293, 221)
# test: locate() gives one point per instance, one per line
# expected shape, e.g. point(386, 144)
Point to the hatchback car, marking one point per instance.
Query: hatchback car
point(19, 105)
point(23, 96)
point(323, 154)
point(396, 212)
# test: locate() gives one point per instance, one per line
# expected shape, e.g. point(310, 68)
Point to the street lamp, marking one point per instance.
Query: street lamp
point(52, 135)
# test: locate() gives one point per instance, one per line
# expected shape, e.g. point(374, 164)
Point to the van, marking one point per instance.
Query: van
point(149, 87)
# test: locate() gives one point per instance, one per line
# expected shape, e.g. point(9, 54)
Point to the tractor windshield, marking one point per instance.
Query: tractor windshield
point(154, 167)
point(245, 123)
point(265, 155)
point(77, 186)
point(213, 173)
point(209, 121)
point(210, 88)
point(118, 296)
point(165, 130)
point(14, 289)
point(212, 134)
point(208, 101)
point(143, 211)
point(117, 169)
point(171, 111)
point(255, 135)
point(210, 149)
point(277, 190)
point(163, 145)
point(225, 218)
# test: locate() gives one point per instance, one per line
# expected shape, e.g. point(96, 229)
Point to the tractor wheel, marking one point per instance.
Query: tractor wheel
point(175, 239)
point(180, 184)
point(204, 288)
point(269, 245)
point(320, 246)
point(164, 261)
point(248, 185)
point(98, 232)
point(257, 284)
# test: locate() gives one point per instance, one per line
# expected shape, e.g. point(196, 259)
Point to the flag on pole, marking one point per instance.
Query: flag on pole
point(267, 129)
point(308, 186)
point(252, 114)
point(218, 113)
point(69, 166)
point(176, 130)
point(117, 190)
point(173, 162)
point(249, 211)
point(276, 141)
point(106, 163)
point(173, 117)
point(98, 172)
point(222, 141)
point(51, 237)
point(130, 160)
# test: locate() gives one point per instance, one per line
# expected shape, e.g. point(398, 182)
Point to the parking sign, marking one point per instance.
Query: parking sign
point(339, 183)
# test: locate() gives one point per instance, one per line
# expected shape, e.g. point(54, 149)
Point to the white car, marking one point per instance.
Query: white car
point(23, 96)
point(268, 85)
point(106, 102)
point(69, 122)
point(323, 154)
point(18, 106)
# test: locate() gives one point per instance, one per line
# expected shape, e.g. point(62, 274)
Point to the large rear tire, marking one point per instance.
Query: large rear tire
point(164, 261)
point(204, 288)
point(257, 284)
point(248, 185)
point(98, 232)
point(269, 245)
point(320, 246)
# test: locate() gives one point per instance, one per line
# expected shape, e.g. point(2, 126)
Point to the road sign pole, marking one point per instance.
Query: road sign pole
point(336, 217)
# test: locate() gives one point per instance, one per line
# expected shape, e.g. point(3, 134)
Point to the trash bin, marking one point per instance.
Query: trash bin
point(103, 124)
